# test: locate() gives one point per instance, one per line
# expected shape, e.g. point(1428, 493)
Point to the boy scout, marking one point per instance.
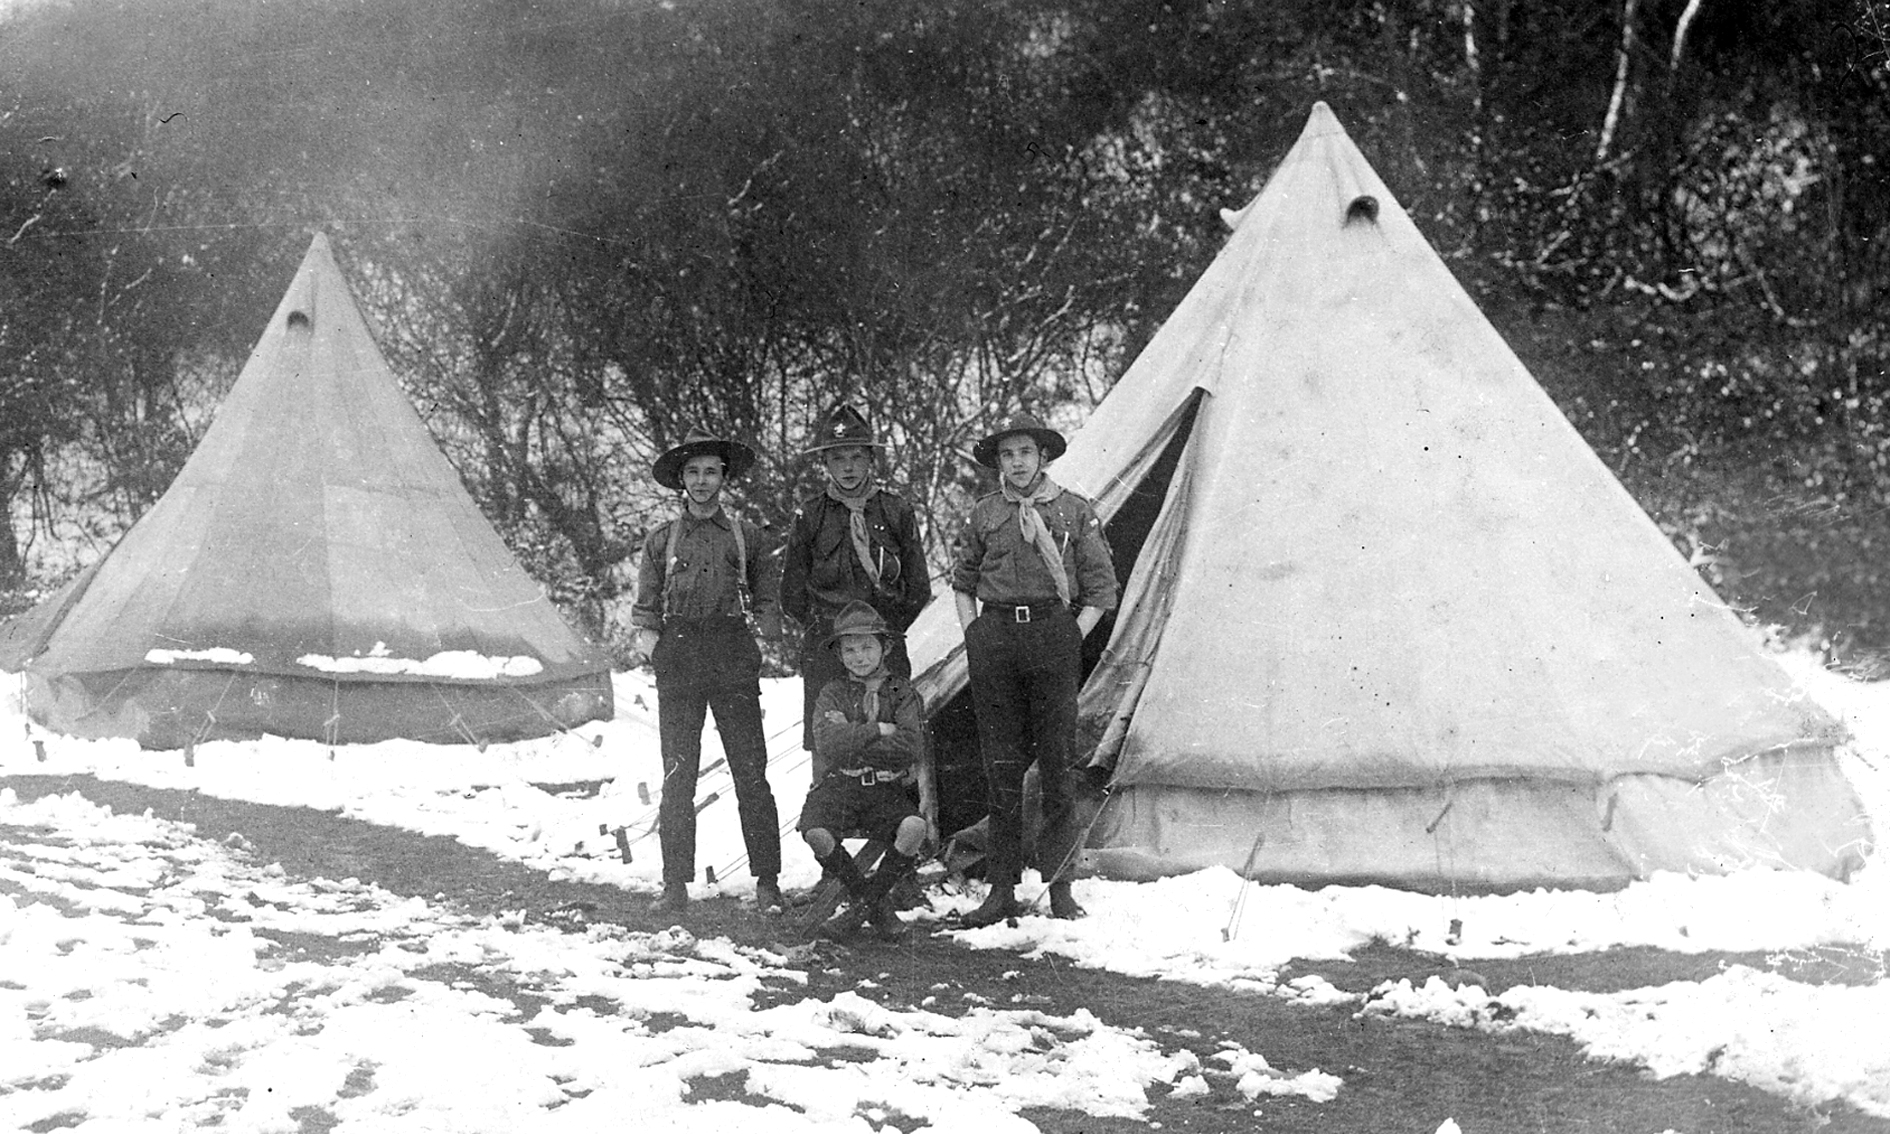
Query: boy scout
point(853, 542)
point(1033, 576)
point(703, 574)
point(869, 731)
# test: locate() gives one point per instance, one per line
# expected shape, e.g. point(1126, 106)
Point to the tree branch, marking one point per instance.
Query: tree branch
point(1617, 101)
point(1680, 33)
point(1472, 61)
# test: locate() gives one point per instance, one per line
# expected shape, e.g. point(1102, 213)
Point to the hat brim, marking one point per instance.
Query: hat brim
point(824, 446)
point(886, 636)
point(737, 459)
point(1049, 442)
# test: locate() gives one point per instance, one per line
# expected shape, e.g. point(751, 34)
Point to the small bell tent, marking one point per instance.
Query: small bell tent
point(1386, 616)
point(316, 570)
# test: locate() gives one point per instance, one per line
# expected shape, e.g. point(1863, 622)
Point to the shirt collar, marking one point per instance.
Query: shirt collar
point(719, 517)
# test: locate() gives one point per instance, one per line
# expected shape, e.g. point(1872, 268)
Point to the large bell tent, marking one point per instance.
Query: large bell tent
point(316, 570)
point(1386, 616)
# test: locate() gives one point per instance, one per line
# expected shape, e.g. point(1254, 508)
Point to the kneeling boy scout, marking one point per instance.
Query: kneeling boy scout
point(869, 732)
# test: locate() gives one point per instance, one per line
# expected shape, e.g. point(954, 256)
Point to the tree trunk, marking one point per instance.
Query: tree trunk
point(12, 569)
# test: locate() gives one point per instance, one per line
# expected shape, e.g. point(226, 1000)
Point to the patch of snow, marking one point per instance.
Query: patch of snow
point(1810, 1043)
point(1256, 1077)
point(463, 664)
point(221, 655)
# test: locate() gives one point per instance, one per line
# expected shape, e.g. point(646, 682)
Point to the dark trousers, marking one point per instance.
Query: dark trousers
point(1023, 685)
point(819, 665)
point(703, 665)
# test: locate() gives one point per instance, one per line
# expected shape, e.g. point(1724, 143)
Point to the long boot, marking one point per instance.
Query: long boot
point(999, 904)
point(893, 867)
point(840, 866)
point(857, 906)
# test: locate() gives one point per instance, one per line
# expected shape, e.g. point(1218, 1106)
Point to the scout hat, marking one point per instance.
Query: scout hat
point(1048, 440)
point(857, 617)
point(843, 426)
point(737, 458)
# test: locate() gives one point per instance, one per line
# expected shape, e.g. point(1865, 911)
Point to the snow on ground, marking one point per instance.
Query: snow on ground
point(149, 982)
point(1810, 1043)
point(570, 803)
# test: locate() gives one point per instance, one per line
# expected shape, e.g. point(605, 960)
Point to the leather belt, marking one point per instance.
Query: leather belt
point(703, 622)
point(869, 776)
point(1026, 612)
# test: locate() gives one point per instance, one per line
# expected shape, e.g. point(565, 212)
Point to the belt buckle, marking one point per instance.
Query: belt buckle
point(1020, 613)
point(867, 778)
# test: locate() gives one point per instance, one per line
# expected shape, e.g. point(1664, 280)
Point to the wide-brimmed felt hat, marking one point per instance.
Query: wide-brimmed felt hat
point(1049, 441)
point(843, 426)
point(737, 458)
point(857, 617)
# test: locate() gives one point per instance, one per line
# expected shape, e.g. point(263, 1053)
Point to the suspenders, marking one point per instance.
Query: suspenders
point(743, 596)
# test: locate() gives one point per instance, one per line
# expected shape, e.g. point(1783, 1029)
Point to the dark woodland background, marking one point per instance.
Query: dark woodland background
point(580, 225)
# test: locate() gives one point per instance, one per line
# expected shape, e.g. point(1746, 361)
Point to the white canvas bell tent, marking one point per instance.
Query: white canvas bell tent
point(1386, 616)
point(316, 570)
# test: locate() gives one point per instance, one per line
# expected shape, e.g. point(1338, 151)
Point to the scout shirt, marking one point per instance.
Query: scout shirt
point(857, 743)
point(705, 574)
point(998, 565)
point(821, 572)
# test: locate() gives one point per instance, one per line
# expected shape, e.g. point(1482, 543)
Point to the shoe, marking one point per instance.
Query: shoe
point(673, 900)
point(909, 893)
point(768, 897)
point(999, 904)
point(885, 919)
point(846, 923)
point(1063, 903)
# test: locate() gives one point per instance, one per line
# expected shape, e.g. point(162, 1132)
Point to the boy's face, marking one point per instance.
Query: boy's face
point(702, 479)
point(861, 653)
point(1019, 459)
point(848, 465)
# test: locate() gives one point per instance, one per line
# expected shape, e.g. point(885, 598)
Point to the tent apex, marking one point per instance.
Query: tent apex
point(320, 251)
point(1320, 121)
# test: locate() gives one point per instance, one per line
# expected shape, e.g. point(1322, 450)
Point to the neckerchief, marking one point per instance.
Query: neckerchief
point(1036, 532)
point(869, 701)
point(856, 524)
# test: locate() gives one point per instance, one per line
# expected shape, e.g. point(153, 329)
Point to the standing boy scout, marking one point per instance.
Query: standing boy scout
point(703, 574)
point(853, 542)
point(1033, 576)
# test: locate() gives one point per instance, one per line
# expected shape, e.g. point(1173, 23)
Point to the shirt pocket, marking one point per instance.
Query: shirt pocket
point(830, 538)
point(991, 523)
point(1061, 527)
point(997, 534)
point(1058, 524)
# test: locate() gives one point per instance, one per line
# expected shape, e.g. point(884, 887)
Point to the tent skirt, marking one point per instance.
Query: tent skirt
point(1786, 810)
point(173, 707)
